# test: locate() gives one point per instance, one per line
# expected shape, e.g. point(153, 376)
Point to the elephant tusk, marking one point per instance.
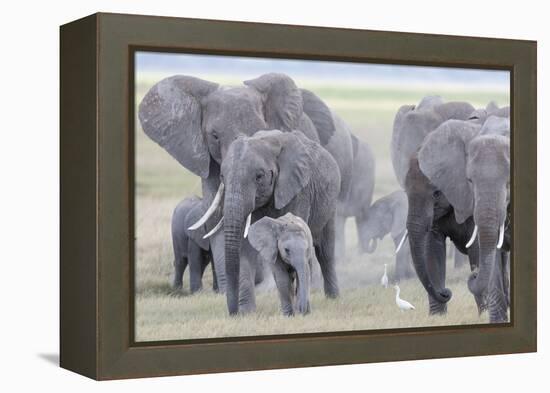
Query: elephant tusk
point(214, 230)
point(500, 237)
point(471, 241)
point(247, 226)
point(402, 241)
point(211, 209)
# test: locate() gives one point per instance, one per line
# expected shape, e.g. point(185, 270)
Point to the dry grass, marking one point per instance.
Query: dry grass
point(363, 304)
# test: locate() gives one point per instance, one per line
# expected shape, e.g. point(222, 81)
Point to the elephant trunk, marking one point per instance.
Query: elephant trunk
point(303, 274)
point(489, 215)
point(418, 226)
point(366, 234)
point(235, 214)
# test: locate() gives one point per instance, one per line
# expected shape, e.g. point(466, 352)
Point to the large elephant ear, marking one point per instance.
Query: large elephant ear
point(282, 100)
point(442, 158)
point(263, 236)
point(171, 115)
point(399, 209)
point(296, 161)
point(320, 115)
point(410, 128)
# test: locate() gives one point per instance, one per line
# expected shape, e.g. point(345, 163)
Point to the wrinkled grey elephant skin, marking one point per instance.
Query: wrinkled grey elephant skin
point(286, 245)
point(190, 249)
point(388, 215)
point(270, 174)
point(462, 169)
point(196, 121)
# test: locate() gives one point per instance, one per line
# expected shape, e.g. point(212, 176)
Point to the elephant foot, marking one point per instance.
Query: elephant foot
point(438, 309)
point(332, 294)
point(499, 318)
point(246, 309)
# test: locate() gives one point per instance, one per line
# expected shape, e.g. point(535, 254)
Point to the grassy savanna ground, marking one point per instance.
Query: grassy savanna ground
point(363, 304)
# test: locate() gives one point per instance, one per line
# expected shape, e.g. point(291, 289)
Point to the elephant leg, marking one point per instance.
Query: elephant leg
point(205, 260)
point(180, 264)
point(459, 258)
point(340, 237)
point(217, 248)
point(284, 287)
point(196, 269)
point(437, 267)
point(247, 278)
point(325, 255)
point(498, 305)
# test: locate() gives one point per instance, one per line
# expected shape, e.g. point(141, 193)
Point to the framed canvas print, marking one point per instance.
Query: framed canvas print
point(241, 196)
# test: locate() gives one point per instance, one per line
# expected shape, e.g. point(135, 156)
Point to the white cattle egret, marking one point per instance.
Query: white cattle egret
point(402, 304)
point(384, 279)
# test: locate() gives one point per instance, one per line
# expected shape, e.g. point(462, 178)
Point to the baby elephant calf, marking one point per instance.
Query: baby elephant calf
point(285, 243)
point(189, 246)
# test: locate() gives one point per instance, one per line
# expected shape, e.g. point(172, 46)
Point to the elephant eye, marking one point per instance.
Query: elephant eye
point(287, 251)
point(469, 180)
point(259, 176)
point(214, 135)
point(437, 194)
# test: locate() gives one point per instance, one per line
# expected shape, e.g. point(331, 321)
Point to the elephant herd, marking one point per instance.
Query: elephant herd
point(281, 173)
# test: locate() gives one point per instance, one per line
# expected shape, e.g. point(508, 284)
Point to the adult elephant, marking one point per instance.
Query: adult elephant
point(457, 187)
point(413, 123)
point(359, 198)
point(270, 174)
point(196, 121)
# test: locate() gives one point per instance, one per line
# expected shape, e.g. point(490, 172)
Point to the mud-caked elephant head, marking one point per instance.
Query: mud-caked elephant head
point(285, 244)
point(467, 167)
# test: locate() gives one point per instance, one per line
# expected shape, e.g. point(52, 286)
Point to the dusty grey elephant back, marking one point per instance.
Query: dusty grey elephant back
point(492, 109)
point(412, 125)
point(496, 125)
point(171, 115)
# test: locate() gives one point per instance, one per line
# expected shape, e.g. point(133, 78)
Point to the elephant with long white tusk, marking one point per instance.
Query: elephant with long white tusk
point(196, 121)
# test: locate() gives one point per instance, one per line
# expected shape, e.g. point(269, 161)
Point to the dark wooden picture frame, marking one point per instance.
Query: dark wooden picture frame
point(97, 123)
